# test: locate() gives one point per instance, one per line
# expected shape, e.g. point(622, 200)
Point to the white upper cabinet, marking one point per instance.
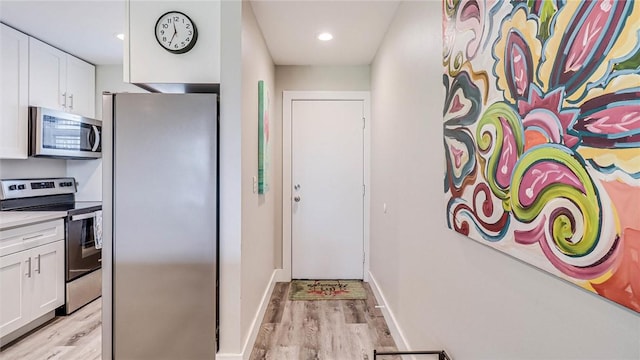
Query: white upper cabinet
point(48, 70)
point(14, 72)
point(147, 62)
point(81, 87)
point(60, 81)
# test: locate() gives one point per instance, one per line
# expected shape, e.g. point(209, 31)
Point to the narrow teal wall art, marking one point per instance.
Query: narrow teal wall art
point(542, 135)
point(263, 138)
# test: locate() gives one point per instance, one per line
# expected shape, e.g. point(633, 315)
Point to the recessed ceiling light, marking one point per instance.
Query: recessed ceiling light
point(120, 36)
point(325, 36)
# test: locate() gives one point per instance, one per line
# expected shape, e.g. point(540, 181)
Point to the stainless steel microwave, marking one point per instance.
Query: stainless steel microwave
point(59, 134)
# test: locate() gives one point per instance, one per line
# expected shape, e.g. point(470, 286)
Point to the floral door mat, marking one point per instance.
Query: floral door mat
point(327, 290)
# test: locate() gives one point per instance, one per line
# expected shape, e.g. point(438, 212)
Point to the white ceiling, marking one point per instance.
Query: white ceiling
point(87, 28)
point(290, 29)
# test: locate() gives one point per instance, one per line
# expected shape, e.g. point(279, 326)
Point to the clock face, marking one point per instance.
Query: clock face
point(176, 32)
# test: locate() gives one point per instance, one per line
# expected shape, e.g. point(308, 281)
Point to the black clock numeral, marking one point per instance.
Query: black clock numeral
point(164, 38)
point(190, 32)
point(187, 39)
point(175, 46)
point(161, 32)
point(182, 43)
point(188, 26)
point(175, 18)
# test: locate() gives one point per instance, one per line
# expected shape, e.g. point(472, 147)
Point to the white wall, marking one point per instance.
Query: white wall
point(258, 211)
point(32, 168)
point(230, 136)
point(306, 78)
point(445, 290)
point(109, 78)
point(88, 173)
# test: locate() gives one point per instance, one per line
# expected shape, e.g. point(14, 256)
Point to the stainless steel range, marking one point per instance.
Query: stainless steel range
point(83, 254)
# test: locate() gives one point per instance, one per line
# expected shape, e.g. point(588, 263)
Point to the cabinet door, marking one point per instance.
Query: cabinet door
point(14, 72)
point(15, 287)
point(48, 275)
point(81, 87)
point(47, 76)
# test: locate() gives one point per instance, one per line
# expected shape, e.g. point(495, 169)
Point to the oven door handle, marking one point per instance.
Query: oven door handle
point(83, 216)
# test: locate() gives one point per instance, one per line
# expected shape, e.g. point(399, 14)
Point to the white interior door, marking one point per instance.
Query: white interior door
point(327, 189)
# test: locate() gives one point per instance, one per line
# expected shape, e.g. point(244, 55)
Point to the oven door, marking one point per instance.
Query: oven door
point(82, 255)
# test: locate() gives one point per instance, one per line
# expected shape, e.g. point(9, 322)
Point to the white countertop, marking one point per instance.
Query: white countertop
point(9, 219)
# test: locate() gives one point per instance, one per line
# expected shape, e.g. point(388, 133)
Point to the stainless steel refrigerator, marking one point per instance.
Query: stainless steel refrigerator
point(160, 226)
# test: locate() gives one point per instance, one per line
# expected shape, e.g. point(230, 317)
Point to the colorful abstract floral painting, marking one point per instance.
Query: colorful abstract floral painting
point(542, 135)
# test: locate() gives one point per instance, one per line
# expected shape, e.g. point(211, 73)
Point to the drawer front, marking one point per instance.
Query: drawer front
point(27, 237)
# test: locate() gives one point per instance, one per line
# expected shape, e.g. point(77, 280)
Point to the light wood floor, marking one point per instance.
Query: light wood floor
point(321, 330)
point(291, 330)
point(74, 337)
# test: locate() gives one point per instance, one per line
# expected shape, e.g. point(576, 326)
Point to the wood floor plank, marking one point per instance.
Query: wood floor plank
point(361, 340)
point(354, 311)
point(263, 341)
point(382, 334)
point(74, 337)
point(311, 328)
point(274, 312)
point(322, 329)
point(371, 302)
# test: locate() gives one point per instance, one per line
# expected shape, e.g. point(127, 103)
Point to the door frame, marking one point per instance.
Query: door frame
point(288, 97)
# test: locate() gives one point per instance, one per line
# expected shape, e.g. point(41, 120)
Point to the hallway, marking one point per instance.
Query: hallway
point(323, 329)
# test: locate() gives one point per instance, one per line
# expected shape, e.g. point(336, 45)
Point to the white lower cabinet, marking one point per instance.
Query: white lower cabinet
point(15, 286)
point(31, 284)
point(48, 277)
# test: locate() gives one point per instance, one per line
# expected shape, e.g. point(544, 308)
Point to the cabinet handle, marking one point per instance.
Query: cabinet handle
point(29, 268)
point(64, 100)
point(38, 269)
point(32, 237)
point(71, 102)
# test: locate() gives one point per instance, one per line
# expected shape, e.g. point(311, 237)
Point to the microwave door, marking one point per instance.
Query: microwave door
point(63, 135)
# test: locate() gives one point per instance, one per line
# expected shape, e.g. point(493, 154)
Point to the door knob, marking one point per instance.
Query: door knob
point(297, 199)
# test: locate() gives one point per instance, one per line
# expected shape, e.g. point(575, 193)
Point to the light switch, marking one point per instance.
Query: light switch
point(255, 185)
point(384, 208)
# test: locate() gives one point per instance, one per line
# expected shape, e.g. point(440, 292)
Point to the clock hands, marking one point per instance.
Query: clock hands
point(175, 32)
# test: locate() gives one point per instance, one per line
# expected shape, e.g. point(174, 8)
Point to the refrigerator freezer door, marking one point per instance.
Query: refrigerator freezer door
point(164, 226)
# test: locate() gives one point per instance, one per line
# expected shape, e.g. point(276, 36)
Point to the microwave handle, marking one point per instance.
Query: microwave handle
point(97, 138)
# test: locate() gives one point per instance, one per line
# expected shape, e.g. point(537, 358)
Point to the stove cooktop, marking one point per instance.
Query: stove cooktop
point(71, 208)
point(45, 194)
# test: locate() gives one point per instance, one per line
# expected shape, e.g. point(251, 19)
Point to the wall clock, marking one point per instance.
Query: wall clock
point(176, 32)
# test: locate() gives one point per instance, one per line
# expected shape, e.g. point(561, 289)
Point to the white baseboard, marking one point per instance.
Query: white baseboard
point(282, 275)
point(228, 356)
point(255, 324)
point(257, 320)
point(394, 327)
